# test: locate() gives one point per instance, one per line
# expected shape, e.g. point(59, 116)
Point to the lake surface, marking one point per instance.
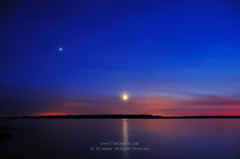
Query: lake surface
point(120, 139)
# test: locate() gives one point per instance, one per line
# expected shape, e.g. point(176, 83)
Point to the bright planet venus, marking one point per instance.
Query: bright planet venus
point(125, 96)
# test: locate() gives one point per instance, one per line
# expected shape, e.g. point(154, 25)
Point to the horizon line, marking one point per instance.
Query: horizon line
point(116, 116)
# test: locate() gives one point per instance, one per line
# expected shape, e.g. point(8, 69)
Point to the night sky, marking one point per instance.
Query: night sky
point(173, 57)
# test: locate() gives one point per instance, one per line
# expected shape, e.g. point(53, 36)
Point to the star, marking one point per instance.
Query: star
point(60, 49)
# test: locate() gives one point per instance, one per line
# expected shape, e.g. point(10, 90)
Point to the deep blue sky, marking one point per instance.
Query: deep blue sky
point(171, 48)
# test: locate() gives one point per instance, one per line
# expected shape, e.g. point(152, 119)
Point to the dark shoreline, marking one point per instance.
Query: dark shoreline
point(117, 116)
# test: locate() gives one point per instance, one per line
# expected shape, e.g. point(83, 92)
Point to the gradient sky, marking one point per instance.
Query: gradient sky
point(172, 56)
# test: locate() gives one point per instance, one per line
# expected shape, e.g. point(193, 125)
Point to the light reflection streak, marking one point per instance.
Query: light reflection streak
point(125, 138)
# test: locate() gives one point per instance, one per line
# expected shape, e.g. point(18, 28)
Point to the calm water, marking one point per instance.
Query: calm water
point(120, 139)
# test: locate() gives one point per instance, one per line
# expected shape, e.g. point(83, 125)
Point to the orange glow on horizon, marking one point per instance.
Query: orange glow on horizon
point(179, 114)
point(149, 106)
point(53, 113)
